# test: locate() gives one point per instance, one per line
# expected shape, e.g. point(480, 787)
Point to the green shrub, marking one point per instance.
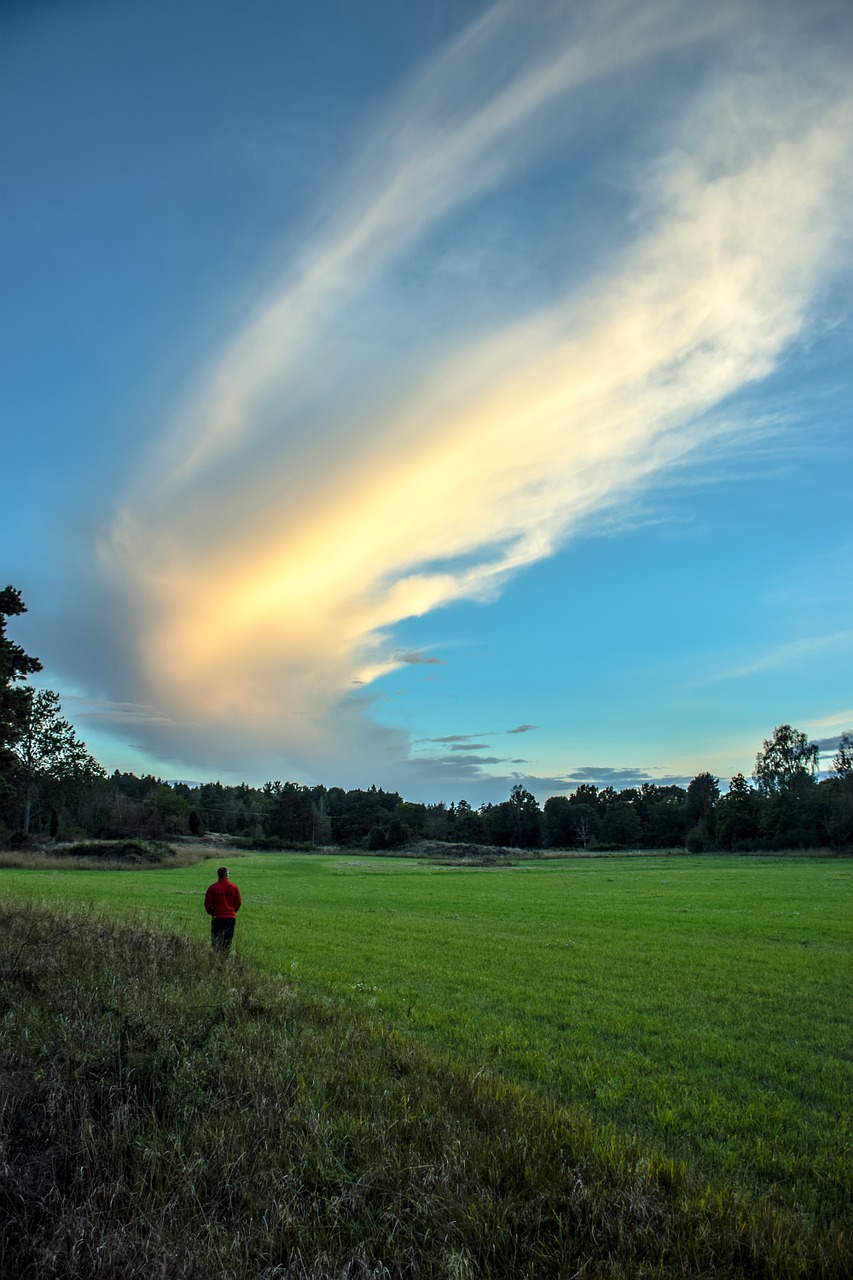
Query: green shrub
point(119, 850)
point(397, 835)
point(271, 844)
point(377, 838)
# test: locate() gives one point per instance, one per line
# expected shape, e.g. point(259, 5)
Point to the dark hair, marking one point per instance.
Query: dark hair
point(221, 872)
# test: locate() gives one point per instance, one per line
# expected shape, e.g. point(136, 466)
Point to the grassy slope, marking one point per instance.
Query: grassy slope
point(166, 1114)
point(701, 1003)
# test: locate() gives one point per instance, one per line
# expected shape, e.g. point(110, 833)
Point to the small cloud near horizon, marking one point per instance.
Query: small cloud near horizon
point(603, 776)
point(413, 657)
point(452, 737)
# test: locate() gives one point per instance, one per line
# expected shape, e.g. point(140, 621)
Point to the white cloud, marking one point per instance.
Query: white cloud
point(291, 528)
point(476, 116)
point(834, 724)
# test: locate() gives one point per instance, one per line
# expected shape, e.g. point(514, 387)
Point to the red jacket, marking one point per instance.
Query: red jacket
point(222, 900)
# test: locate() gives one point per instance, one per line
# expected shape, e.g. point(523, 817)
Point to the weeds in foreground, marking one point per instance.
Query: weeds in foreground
point(166, 1113)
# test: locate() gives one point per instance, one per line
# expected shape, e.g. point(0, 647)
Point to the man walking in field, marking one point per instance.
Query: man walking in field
point(222, 901)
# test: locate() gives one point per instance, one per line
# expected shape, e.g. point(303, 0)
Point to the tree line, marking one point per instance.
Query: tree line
point(50, 785)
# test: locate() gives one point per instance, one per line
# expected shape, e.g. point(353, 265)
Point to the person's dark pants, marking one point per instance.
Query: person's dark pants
point(221, 933)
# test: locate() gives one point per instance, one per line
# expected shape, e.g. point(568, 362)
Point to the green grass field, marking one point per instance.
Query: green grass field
point(699, 1007)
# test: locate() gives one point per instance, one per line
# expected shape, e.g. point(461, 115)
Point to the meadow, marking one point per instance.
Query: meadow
point(692, 1013)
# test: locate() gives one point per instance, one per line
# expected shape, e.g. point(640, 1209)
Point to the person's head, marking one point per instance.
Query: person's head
point(222, 872)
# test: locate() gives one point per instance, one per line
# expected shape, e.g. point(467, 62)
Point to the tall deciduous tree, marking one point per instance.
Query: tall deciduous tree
point(557, 821)
point(15, 666)
point(292, 816)
point(587, 793)
point(621, 824)
point(468, 824)
point(842, 761)
point(702, 796)
point(584, 824)
point(525, 817)
point(786, 760)
point(840, 792)
point(737, 813)
point(49, 751)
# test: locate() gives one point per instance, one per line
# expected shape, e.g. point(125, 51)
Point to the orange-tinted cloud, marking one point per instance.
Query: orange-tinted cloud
point(270, 551)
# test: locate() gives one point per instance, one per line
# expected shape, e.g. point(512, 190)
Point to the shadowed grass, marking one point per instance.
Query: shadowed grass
point(165, 1113)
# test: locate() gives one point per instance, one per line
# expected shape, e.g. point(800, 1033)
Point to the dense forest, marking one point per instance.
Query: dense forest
point(51, 787)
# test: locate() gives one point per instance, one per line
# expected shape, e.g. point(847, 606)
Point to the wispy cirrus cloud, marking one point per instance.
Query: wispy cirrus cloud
point(289, 520)
point(465, 125)
point(791, 652)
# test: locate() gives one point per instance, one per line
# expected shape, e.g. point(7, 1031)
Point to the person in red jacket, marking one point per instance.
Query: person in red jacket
point(222, 901)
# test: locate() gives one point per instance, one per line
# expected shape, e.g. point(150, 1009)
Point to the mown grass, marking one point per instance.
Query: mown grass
point(692, 1011)
point(167, 1114)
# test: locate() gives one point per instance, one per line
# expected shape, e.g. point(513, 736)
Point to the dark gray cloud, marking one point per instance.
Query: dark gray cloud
point(470, 746)
point(106, 712)
point(523, 728)
point(455, 771)
point(453, 766)
point(542, 786)
point(416, 659)
point(462, 774)
point(605, 776)
point(475, 760)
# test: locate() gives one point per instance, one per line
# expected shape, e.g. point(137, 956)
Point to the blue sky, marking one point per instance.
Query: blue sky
point(439, 395)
